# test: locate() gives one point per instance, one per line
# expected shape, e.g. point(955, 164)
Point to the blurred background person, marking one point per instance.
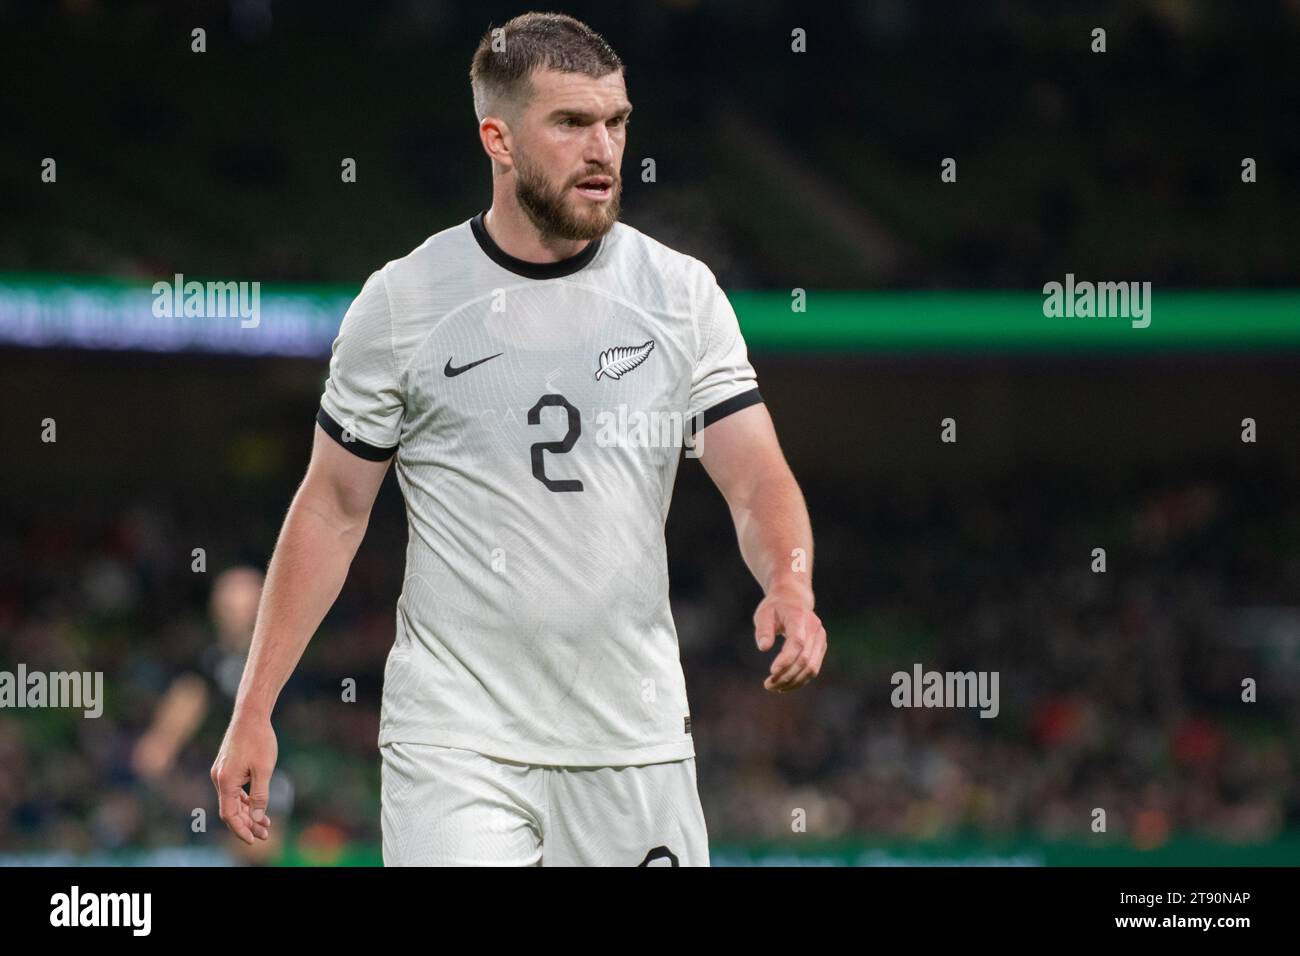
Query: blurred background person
point(209, 693)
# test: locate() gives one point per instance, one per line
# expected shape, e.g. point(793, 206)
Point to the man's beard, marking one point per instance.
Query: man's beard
point(550, 211)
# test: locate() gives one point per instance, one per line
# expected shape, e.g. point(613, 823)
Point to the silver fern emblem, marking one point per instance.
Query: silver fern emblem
point(617, 362)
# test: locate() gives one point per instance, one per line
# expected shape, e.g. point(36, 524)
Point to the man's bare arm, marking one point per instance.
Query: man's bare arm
point(324, 526)
point(743, 457)
point(322, 531)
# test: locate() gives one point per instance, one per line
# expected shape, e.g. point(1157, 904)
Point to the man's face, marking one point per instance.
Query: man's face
point(568, 150)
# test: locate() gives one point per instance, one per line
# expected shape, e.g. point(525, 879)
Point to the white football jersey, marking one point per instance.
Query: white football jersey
point(537, 413)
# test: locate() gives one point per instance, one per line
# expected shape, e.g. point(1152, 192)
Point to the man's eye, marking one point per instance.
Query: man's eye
point(569, 121)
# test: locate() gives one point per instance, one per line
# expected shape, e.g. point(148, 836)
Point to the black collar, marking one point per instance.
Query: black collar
point(532, 270)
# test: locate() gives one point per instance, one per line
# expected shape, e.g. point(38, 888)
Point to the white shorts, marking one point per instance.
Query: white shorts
point(443, 806)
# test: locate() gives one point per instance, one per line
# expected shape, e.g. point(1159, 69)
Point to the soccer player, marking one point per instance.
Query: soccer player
point(530, 371)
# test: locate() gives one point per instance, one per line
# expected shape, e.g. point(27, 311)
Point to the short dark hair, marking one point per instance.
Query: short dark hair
point(500, 78)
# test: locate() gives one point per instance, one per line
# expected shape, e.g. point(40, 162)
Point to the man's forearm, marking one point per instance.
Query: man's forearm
point(775, 535)
point(306, 573)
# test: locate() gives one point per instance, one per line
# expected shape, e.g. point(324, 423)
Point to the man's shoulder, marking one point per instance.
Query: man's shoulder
point(443, 253)
point(632, 242)
point(652, 271)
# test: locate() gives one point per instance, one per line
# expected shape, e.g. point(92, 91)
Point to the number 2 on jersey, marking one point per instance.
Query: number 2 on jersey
point(555, 447)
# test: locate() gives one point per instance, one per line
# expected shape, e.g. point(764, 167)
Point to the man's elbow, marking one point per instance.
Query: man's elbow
point(346, 515)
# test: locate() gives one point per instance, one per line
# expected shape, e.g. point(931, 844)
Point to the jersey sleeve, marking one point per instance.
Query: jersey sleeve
point(362, 405)
point(724, 381)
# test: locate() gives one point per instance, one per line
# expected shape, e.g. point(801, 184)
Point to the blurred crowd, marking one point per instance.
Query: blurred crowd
point(778, 169)
point(1119, 690)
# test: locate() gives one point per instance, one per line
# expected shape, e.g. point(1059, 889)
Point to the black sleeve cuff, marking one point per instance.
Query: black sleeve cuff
point(354, 444)
point(727, 406)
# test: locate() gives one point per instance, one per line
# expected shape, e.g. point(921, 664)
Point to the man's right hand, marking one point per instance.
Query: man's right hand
point(247, 756)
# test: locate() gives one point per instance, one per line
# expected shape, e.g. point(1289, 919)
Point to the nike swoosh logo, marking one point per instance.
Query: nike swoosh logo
point(452, 372)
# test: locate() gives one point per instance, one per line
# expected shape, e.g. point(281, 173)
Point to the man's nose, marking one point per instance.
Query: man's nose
point(600, 147)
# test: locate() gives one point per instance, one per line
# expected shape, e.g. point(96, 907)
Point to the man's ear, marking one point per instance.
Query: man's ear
point(494, 133)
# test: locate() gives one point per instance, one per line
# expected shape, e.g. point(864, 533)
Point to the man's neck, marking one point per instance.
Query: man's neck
point(512, 230)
